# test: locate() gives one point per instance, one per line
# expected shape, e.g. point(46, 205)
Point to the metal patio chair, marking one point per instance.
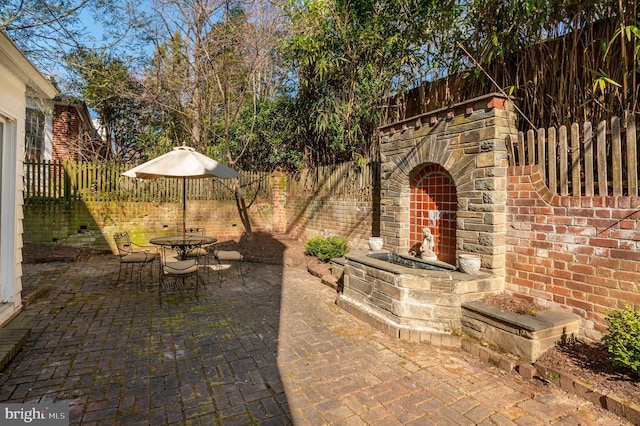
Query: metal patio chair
point(201, 252)
point(131, 257)
point(171, 268)
point(231, 256)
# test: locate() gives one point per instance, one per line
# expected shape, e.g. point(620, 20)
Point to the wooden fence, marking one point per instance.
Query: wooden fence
point(49, 182)
point(345, 179)
point(578, 162)
point(574, 162)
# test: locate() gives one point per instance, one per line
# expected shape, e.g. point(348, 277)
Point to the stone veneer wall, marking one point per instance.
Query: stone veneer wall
point(577, 253)
point(468, 140)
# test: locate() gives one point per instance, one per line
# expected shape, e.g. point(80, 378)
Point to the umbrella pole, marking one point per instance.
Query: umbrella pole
point(184, 206)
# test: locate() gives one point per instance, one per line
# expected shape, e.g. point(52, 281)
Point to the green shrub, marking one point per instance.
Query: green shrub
point(326, 248)
point(623, 339)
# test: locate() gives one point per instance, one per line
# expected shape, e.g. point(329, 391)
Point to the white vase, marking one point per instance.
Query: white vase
point(375, 243)
point(469, 263)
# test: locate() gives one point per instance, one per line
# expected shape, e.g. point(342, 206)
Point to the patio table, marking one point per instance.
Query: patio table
point(183, 244)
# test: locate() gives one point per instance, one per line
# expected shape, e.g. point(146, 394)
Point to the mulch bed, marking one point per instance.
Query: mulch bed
point(512, 304)
point(588, 361)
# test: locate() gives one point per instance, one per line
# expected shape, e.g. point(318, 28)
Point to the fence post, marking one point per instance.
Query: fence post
point(576, 172)
point(553, 160)
point(564, 166)
point(542, 155)
point(510, 152)
point(521, 150)
point(531, 148)
point(601, 153)
point(616, 157)
point(632, 155)
point(588, 159)
point(67, 182)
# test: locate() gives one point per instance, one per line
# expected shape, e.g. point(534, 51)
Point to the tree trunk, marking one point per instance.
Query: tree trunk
point(243, 210)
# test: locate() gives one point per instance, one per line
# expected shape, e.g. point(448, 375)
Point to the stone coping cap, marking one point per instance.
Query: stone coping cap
point(544, 319)
point(363, 258)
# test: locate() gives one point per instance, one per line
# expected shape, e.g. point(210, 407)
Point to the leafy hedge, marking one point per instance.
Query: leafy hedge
point(326, 249)
point(623, 339)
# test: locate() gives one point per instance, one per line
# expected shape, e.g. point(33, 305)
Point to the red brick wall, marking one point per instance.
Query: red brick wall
point(93, 223)
point(578, 253)
point(434, 204)
point(279, 196)
point(328, 216)
point(65, 135)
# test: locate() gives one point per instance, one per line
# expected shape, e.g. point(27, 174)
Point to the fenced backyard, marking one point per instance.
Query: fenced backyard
point(593, 172)
point(50, 182)
point(581, 160)
point(78, 202)
point(577, 160)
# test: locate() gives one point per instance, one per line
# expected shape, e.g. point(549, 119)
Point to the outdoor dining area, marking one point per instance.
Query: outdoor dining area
point(183, 260)
point(182, 256)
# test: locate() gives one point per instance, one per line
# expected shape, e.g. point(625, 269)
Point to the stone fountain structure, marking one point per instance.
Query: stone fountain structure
point(443, 193)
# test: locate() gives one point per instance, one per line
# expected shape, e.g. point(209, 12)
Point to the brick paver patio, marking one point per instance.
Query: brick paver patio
point(276, 351)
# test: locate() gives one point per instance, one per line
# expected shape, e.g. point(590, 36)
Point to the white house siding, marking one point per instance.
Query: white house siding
point(12, 111)
point(18, 79)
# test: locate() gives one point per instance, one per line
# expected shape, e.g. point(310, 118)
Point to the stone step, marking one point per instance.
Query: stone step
point(525, 336)
point(11, 341)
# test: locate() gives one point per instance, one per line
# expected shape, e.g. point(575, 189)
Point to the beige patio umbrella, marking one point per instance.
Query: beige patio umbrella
point(183, 162)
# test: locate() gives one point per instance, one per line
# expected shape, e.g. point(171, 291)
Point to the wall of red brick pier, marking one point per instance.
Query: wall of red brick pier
point(580, 253)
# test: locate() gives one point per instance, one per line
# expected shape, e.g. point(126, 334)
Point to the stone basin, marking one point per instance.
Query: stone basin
point(412, 262)
point(397, 299)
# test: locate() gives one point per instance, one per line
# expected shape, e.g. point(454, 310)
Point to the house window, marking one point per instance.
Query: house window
point(34, 134)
